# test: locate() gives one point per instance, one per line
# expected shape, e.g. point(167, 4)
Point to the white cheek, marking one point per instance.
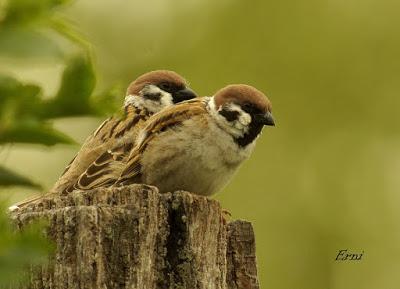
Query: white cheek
point(151, 105)
point(155, 106)
point(166, 99)
point(236, 128)
point(243, 120)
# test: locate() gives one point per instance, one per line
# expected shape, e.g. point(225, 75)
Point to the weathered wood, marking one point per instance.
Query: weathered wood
point(241, 256)
point(134, 237)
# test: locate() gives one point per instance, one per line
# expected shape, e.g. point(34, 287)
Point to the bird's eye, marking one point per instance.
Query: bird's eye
point(247, 106)
point(165, 86)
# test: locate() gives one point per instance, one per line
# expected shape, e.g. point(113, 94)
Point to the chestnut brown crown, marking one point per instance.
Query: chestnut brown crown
point(242, 94)
point(165, 79)
point(252, 102)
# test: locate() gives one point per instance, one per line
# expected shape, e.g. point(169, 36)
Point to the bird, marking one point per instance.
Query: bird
point(146, 95)
point(196, 145)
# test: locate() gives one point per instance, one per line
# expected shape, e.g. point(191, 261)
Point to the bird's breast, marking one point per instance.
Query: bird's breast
point(197, 156)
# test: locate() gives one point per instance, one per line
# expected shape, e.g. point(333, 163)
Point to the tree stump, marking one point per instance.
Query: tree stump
point(134, 237)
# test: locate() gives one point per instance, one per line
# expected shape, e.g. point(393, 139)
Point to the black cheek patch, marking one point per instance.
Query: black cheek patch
point(153, 96)
point(230, 115)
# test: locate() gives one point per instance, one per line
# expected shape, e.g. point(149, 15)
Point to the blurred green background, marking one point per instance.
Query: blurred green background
point(325, 178)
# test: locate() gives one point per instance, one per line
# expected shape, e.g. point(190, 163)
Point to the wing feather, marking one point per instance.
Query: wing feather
point(103, 170)
point(101, 149)
point(157, 124)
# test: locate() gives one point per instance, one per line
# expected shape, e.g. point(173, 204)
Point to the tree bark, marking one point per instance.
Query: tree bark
point(134, 237)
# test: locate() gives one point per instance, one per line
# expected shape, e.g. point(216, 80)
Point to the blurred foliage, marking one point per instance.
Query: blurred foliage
point(325, 178)
point(78, 81)
point(20, 250)
point(30, 29)
point(22, 12)
point(9, 178)
point(25, 113)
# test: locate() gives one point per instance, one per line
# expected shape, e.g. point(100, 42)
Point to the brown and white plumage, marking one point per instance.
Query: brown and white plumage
point(115, 132)
point(196, 145)
point(108, 168)
point(115, 137)
point(147, 95)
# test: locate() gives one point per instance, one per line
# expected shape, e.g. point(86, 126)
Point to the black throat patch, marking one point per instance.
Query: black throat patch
point(251, 135)
point(254, 128)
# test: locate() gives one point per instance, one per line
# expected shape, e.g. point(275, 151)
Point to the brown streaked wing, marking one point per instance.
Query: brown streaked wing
point(104, 169)
point(101, 126)
point(159, 122)
point(105, 137)
point(89, 140)
point(170, 117)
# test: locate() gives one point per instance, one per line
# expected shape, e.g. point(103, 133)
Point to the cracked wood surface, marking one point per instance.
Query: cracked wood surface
point(134, 237)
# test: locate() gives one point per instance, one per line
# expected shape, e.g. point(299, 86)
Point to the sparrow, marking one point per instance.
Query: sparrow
point(145, 96)
point(148, 94)
point(196, 145)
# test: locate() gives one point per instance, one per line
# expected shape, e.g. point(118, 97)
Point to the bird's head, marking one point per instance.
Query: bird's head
point(158, 89)
point(242, 111)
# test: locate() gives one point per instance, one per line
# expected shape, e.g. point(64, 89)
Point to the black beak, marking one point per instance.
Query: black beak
point(183, 94)
point(265, 119)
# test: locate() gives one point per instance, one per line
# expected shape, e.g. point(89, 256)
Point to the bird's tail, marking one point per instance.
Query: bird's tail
point(27, 201)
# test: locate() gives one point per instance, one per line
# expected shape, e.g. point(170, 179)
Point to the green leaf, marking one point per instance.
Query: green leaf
point(8, 85)
point(21, 113)
point(73, 97)
point(32, 43)
point(67, 29)
point(34, 134)
point(20, 249)
point(20, 12)
point(18, 100)
point(12, 88)
point(109, 101)
point(9, 178)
